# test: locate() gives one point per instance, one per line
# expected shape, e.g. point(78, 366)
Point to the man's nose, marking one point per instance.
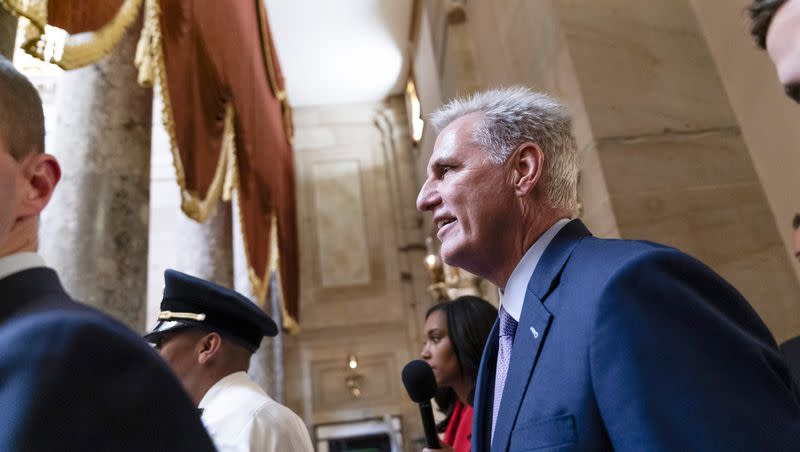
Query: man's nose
point(428, 197)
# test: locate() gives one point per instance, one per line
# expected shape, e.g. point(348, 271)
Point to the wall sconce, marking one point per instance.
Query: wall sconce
point(449, 282)
point(352, 362)
point(434, 264)
point(353, 381)
point(414, 111)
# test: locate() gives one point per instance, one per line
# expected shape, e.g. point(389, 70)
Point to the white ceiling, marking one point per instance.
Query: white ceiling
point(341, 51)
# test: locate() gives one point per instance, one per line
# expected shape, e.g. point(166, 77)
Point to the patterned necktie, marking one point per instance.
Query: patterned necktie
point(508, 327)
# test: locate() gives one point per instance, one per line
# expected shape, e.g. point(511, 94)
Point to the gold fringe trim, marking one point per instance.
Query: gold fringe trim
point(78, 50)
point(149, 42)
point(289, 323)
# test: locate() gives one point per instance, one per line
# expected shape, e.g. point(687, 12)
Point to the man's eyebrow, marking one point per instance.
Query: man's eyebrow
point(442, 161)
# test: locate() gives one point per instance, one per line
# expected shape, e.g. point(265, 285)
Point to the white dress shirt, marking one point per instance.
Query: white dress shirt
point(513, 296)
point(15, 263)
point(240, 416)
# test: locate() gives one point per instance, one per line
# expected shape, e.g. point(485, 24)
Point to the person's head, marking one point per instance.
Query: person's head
point(201, 357)
point(206, 331)
point(503, 169)
point(775, 25)
point(28, 176)
point(796, 236)
point(455, 333)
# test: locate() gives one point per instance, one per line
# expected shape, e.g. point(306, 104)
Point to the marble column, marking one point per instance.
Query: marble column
point(94, 231)
point(8, 33)
point(205, 249)
point(266, 364)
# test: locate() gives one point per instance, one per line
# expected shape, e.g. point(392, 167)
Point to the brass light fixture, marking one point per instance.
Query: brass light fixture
point(414, 110)
point(448, 282)
point(353, 381)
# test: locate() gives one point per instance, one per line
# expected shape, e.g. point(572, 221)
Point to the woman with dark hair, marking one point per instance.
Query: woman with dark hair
point(455, 333)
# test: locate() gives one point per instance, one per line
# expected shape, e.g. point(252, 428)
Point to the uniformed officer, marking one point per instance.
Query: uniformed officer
point(207, 333)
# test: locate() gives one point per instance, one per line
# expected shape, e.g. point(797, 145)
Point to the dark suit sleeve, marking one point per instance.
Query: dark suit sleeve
point(680, 361)
point(79, 381)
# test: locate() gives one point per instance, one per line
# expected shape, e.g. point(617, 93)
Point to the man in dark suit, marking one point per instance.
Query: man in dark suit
point(599, 344)
point(71, 378)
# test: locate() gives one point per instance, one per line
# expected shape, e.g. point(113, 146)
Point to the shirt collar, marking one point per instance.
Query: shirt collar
point(220, 386)
point(15, 263)
point(513, 296)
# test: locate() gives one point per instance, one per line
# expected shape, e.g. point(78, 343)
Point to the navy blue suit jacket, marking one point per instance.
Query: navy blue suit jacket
point(71, 378)
point(633, 346)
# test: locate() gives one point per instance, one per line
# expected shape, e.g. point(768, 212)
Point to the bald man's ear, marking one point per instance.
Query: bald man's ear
point(40, 173)
point(209, 346)
point(527, 163)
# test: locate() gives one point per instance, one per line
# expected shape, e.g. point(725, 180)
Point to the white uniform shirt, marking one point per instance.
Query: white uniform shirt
point(240, 416)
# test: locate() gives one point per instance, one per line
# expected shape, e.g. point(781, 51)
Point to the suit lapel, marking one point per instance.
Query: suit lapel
point(534, 324)
point(484, 391)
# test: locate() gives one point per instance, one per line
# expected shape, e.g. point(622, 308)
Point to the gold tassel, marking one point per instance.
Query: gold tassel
point(148, 45)
point(229, 149)
point(76, 52)
point(289, 323)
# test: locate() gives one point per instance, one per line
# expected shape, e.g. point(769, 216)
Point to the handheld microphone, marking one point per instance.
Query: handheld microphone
point(421, 386)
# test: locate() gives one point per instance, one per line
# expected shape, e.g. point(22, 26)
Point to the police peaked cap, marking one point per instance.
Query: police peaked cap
point(193, 302)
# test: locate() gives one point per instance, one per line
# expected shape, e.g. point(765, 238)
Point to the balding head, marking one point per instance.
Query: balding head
point(21, 115)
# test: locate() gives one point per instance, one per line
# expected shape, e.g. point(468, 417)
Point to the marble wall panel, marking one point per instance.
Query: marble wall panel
point(317, 368)
point(339, 220)
point(716, 224)
point(675, 161)
point(643, 67)
point(459, 74)
point(350, 227)
point(378, 381)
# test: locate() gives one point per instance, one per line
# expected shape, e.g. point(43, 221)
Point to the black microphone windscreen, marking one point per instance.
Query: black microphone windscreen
point(419, 381)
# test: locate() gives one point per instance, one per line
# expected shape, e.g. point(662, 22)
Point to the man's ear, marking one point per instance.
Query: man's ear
point(41, 173)
point(527, 162)
point(209, 345)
